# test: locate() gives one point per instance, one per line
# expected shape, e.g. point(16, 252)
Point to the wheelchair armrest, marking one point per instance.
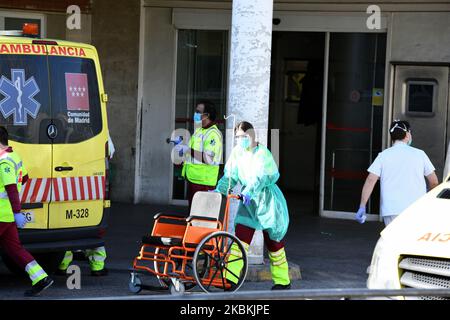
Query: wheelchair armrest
point(190, 218)
point(173, 215)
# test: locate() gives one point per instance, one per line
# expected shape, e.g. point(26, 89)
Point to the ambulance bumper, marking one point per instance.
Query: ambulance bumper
point(65, 239)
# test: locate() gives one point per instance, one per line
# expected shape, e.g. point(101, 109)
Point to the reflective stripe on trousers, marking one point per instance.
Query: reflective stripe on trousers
point(235, 263)
point(35, 272)
point(279, 267)
point(66, 261)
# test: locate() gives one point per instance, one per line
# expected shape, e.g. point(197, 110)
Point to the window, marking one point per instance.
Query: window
point(75, 99)
point(10, 20)
point(24, 98)
point(202, 58)
point(354, 119)
point(421, 97)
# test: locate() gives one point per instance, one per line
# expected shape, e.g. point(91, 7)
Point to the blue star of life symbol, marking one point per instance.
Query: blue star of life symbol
point(19, 97)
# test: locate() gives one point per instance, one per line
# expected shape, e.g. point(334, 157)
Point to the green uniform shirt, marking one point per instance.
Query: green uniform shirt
point(11, 172)
point(209, 141)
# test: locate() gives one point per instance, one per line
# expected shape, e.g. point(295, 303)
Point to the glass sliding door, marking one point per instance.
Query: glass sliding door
point(354, 117)
point(202, 60)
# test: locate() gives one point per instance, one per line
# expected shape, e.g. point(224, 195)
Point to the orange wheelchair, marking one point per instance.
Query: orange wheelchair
point(184, 252)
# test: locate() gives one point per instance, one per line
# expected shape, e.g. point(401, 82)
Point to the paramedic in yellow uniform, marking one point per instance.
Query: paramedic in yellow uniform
point(203, 154)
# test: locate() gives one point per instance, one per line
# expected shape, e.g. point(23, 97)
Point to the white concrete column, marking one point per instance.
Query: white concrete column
point(249, 78)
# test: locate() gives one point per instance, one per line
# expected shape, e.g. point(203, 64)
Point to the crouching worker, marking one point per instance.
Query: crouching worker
point(12, 176)
point(263, 205)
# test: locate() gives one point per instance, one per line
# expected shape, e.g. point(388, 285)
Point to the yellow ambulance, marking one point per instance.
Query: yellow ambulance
point(414, 250)
point(53, 104)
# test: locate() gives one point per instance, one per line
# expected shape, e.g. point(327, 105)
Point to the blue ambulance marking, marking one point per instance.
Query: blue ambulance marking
point(19, 97)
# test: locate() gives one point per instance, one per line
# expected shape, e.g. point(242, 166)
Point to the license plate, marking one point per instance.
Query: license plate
point(29, 216)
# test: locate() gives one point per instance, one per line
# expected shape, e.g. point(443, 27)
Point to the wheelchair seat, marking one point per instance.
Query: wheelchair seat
point(205, 212)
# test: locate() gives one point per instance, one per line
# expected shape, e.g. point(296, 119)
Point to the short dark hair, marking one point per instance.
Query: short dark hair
point(210, 109)
point(398, 129)
point(247, 127)
point(3, 136)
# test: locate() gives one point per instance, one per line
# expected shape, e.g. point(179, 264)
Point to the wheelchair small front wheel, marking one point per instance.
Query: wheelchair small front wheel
point(227, 263)
point(135, 283)
point(177, 287)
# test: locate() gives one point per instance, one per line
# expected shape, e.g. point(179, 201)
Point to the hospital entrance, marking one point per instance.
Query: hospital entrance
point(328, 135)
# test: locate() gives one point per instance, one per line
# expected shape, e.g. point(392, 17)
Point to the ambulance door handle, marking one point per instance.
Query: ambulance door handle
point(59, 169)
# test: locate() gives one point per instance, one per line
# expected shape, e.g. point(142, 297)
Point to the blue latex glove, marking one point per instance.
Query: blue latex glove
point(245, 199)
point(181, 149)
point(178, 140)
point(361, 215)
point(20, 219)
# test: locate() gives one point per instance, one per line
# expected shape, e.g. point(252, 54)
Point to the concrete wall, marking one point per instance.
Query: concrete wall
point(157, 113)
point(56, 26)
point(115, 33)
point(421, 37)
point(84, 34)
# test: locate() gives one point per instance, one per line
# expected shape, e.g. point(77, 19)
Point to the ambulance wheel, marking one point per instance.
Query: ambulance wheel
point(135, 284)
point(216, 247)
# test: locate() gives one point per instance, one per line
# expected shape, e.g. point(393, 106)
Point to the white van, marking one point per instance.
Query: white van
point(414, 250)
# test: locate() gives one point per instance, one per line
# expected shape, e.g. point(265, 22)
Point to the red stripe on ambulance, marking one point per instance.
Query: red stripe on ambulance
point(25, 191)
point(63, 189)
point(36, 190)
point(48, 185)
point(80, 180)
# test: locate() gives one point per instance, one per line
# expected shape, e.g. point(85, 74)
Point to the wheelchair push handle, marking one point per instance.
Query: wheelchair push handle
point(235, 196)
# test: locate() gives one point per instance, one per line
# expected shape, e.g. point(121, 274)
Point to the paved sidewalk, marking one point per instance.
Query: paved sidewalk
point(331, 253)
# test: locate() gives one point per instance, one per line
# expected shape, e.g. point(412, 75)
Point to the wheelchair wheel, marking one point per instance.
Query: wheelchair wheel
point(216, 247)
point(135, 284)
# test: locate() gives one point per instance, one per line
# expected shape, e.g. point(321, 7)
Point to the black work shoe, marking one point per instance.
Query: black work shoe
point(281, 287)
point(99, 273)
point(39, 287)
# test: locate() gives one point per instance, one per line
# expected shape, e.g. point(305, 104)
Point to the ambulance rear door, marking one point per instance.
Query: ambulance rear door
point(79, 135)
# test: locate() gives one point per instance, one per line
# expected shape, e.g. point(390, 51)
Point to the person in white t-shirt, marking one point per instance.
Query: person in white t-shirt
point(401, 170)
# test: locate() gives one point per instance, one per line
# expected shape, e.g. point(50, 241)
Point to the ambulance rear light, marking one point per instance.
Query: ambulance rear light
point(30, 29)
point(101, 232)
point(45, 42)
